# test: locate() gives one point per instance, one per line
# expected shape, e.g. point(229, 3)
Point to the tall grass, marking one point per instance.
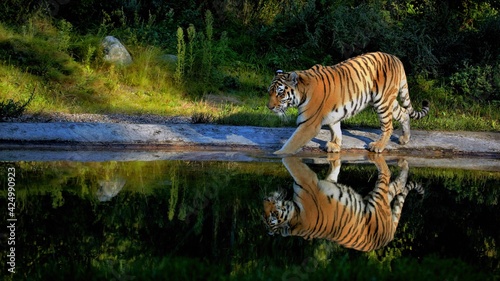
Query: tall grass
point(181, 57)
point(72, 77)
point(199, 59)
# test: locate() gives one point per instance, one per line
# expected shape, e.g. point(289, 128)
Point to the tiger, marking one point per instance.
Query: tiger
point(326, 95)
point(326, 209)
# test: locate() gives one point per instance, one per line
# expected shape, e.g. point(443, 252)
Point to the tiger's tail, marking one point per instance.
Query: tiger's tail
point(406, 102)
point(415, 186)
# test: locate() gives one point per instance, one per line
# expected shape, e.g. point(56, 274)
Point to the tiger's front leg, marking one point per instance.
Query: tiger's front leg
point(385, 118)
point(334, 170)
point(383, 180)
point(379, 145)
point(302, 135)
point(336, 142)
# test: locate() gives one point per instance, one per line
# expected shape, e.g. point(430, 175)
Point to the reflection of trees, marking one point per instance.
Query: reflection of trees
point(165, 207)
point(217, 218)
point(469, 228)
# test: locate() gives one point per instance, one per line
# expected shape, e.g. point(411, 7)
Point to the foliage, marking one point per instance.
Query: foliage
point(232, 48)
point(13, 109)
point(481, 83)
point(16, 11)
point(199, 59)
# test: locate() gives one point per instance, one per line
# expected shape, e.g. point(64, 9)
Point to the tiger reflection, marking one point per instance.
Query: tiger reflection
point(330, 210)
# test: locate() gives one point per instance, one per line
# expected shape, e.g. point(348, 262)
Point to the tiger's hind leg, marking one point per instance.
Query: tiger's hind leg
point(397, 208)
point(401, 114)
point(379, 145)
point(399, 201)
point(398, 192)
point(336, 142)
point(379, 196)
point(384, 111)
point(402, 189)
point(396, 187)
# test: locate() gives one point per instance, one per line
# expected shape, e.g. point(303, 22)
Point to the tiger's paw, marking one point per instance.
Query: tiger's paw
point(332, 147)
point(404, 139)
point(402, 163)
point(376, 147)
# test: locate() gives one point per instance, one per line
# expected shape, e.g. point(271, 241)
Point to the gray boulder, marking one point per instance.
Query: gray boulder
point(169, 58)
point(115, 52)
point(109, 188)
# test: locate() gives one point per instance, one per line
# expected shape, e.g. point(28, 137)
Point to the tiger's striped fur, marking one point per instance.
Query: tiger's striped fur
point(329, 210)
point(326, 95)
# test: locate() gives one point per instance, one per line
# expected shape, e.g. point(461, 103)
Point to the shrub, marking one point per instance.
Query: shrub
point(17, 11)
point(13, 109)
point(478, 82)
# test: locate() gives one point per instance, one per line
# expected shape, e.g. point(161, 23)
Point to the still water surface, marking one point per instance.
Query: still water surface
point(173, 220)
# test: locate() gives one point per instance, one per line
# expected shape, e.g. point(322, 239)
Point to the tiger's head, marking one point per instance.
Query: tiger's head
point(283, 92)
point(278, 213)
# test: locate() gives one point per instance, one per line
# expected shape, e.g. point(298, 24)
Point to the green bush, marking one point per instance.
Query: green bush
point(13, 109)
point(16, 12)
point(481, 83)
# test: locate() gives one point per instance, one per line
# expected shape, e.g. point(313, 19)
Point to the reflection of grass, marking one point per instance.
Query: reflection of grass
point(146, 177)
point(143, 177)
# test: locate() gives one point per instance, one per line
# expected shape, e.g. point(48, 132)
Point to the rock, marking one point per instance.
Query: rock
point(109, 189)
point(169, 58)
point(115, 52)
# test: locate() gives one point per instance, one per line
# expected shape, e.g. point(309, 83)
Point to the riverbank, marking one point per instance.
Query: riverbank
point(122, 141)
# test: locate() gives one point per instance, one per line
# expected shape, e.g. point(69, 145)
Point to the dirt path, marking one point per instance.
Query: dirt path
point(71, 140)
point(205, 136)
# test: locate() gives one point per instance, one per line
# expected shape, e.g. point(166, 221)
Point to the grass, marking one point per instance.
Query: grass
point(70, 77)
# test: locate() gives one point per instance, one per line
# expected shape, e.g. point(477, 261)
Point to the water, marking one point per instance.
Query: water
point(203, 220)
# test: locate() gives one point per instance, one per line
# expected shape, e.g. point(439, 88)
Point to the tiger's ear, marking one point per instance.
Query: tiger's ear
point(285, 230)
point(293, 78)
point(278, 72)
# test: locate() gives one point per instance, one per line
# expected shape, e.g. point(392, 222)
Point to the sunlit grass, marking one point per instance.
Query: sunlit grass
point(74, 79)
